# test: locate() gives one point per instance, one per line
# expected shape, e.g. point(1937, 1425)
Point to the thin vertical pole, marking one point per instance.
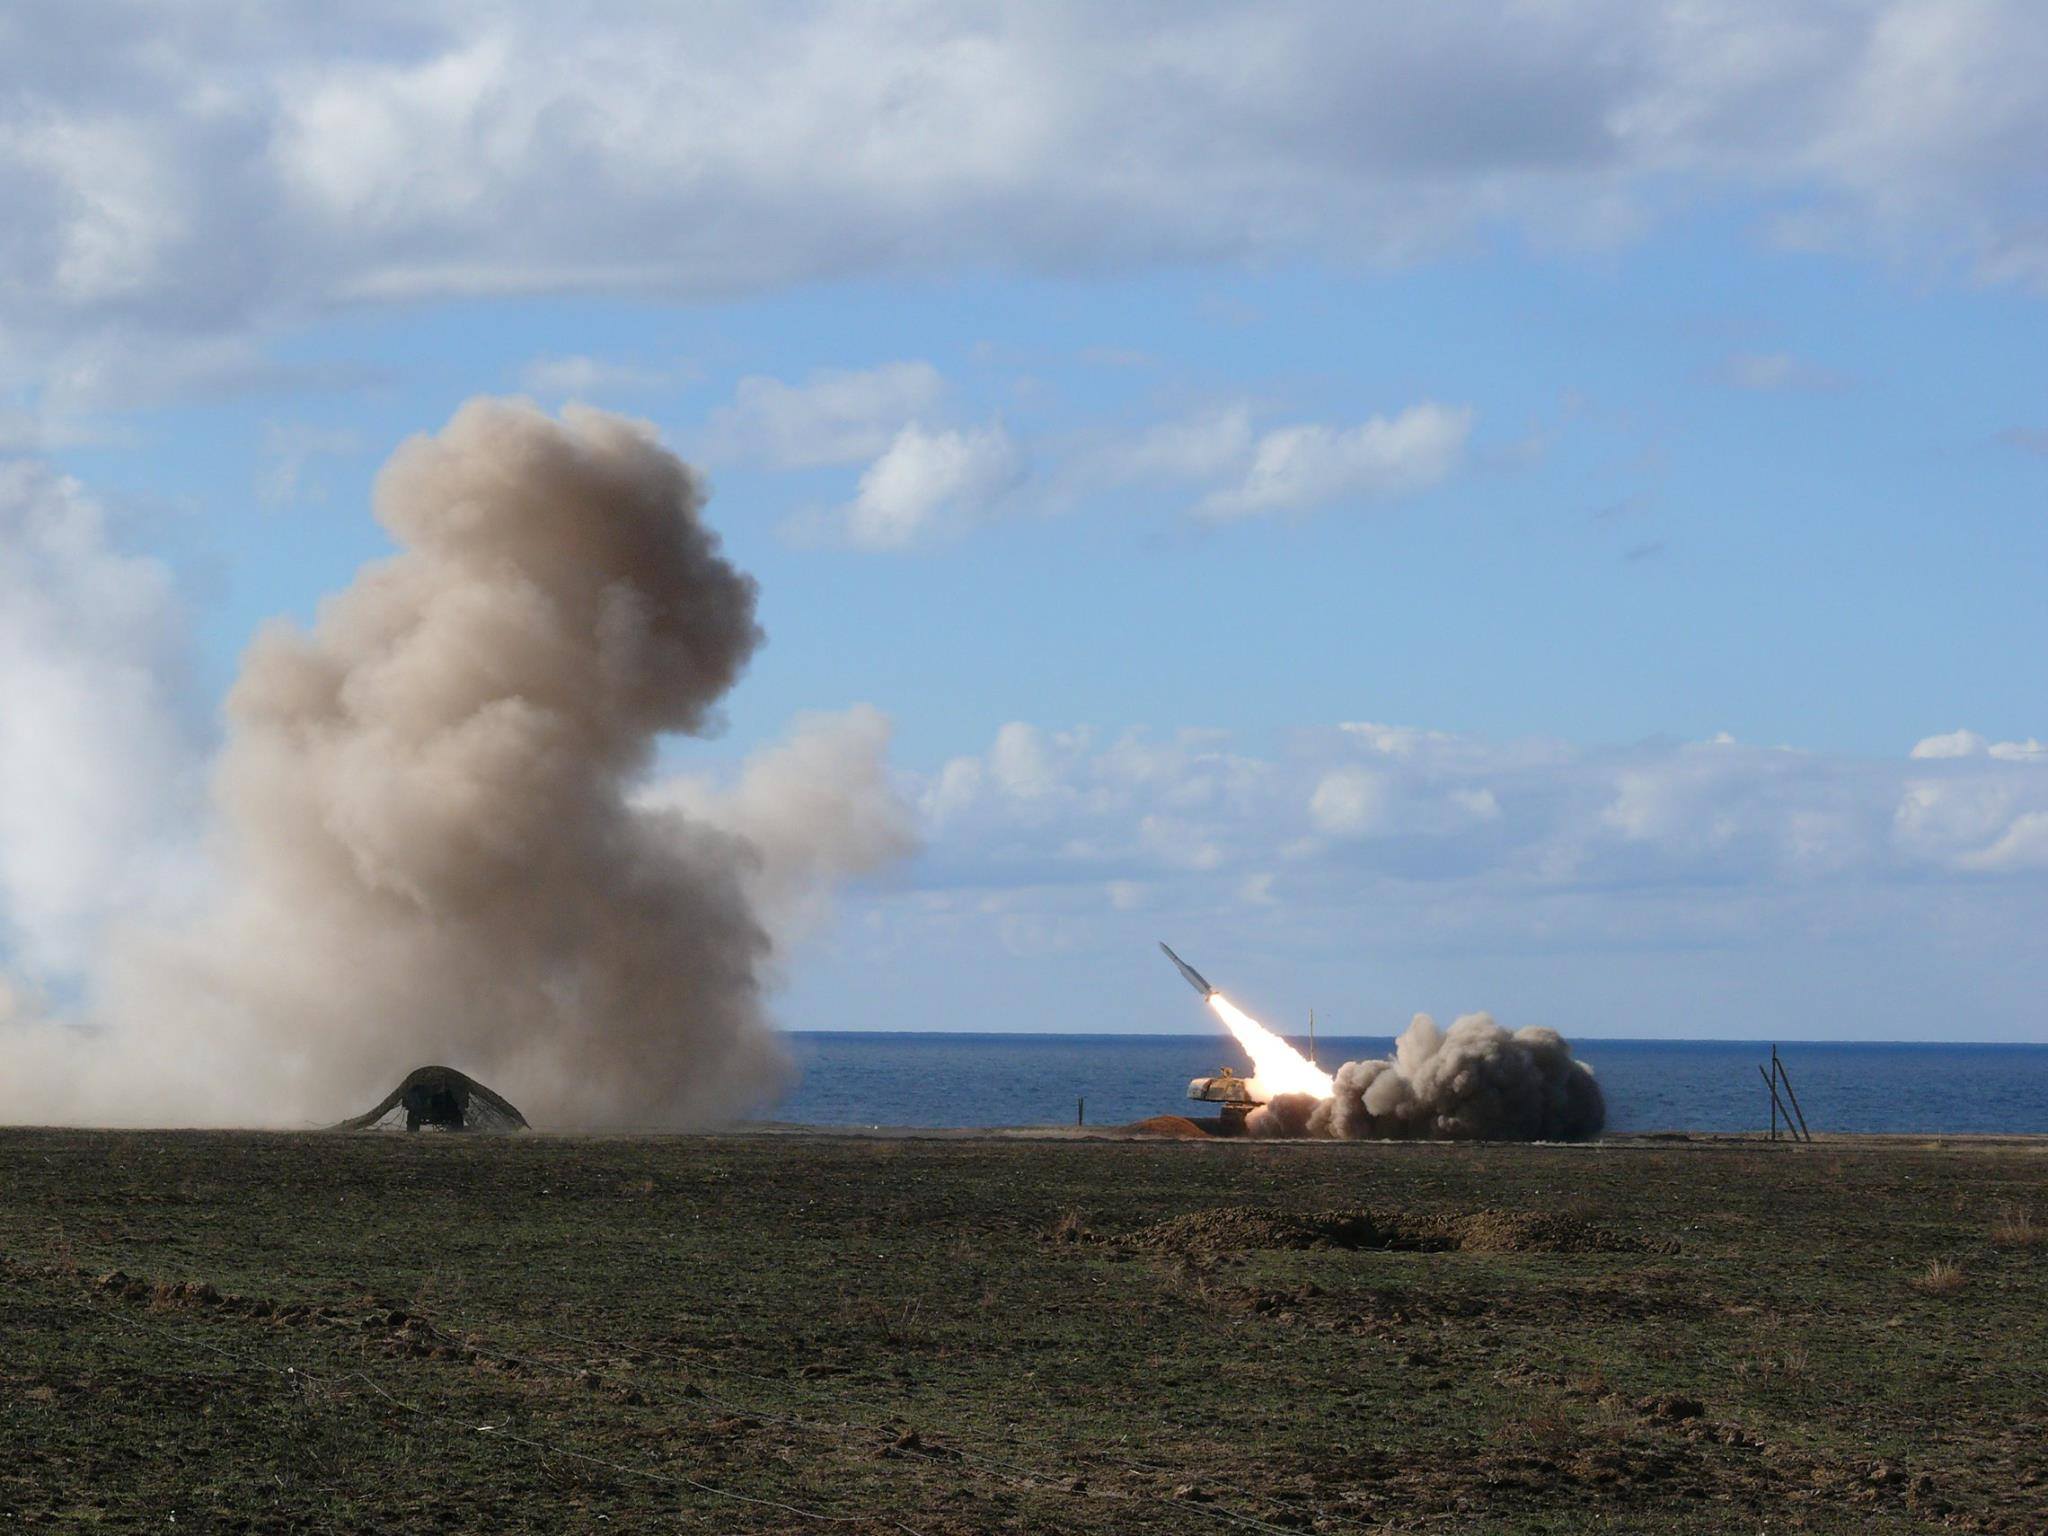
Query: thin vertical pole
point(1773, 1105)
point(1080, 1111)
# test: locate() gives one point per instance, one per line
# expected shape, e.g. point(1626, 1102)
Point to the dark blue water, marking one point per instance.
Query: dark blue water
point(1651, 1085)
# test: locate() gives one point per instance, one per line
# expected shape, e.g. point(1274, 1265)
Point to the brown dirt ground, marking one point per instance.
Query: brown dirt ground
point(954, 1335)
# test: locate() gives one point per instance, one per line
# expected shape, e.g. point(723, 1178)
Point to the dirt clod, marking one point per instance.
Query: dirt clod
point(1670, 1405)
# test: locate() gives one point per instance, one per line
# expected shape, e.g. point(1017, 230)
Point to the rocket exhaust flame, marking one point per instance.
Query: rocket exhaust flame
point(1472, 1082)
point(1277, 1067)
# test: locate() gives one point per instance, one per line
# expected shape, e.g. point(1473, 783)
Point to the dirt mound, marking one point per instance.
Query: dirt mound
point(1178, 1126)
point(1244, 1226)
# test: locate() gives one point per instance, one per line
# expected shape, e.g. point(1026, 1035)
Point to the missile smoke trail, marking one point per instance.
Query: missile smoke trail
point(1472, 1082)
point(435, 836)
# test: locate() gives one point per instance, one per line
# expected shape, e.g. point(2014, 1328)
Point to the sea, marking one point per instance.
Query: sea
point(960, 1080)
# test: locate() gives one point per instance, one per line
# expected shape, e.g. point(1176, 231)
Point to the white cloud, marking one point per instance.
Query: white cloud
point(955, 788)
point(1205, 446)
point(1020, 762)
point(1175, 843)
point(835, 416)
point(928, 483)
point(91, 375)
point(98, 763)
point(1952, 820)
point(1290, 467)
point(1349, 802)
point(2023, 845)
point(109, 247)
point(1478, 804)
point(1125, 895)
point(1298, 467)
point(1397, 740)
point(922, 480)
point(34, 431)
point(1780, 372)
point(1953, 744)
point(289, 448)
point(578, 377)
point(190, 175)
point(1976, 804)
point(1699, 888)
point(1436, 806)
point(1969, 744)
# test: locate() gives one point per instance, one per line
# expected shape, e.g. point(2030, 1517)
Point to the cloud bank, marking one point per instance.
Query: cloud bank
point(209, 176)
point(97, 755)
point(1439, 804)
point(1659, 888)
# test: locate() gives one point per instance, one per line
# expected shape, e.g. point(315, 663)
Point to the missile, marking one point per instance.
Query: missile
point(1195, 978)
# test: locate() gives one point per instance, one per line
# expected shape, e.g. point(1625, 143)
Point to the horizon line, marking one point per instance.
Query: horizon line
point(1088, 1034)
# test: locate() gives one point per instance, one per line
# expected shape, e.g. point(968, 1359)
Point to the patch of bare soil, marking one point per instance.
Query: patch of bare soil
point(1174, 1126)
point(397, 1332)
point(1237, 1228)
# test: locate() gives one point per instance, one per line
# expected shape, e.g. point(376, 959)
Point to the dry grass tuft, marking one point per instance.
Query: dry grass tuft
point(1072, 1227)
point(1944, 1277)
point(2015, 1227)
point(1766, 1364)
point(898, 1323)
point(1549, 1425)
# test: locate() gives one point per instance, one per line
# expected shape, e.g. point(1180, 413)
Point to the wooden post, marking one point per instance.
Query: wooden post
point(1793, 1098)
point(1080, 1111)
point(1774, 1096)
point(1776, 1107)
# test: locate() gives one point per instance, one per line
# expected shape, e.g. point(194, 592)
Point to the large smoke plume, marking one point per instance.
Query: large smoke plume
point(1472, 1082)
point(437, 840)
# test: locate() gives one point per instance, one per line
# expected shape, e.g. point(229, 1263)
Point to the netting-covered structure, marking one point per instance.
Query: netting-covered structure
point(439, 1099)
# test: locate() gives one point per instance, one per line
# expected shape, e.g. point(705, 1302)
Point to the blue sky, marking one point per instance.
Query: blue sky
point(1126, 406)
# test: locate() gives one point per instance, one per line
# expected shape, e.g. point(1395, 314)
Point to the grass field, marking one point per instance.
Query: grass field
point(204, 1332)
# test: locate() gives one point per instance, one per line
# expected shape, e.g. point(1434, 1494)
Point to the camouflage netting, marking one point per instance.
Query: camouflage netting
point(439, 1099)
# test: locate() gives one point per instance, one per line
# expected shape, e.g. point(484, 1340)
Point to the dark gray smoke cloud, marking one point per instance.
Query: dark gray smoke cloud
point(1472, 1082)
point(437, 841)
